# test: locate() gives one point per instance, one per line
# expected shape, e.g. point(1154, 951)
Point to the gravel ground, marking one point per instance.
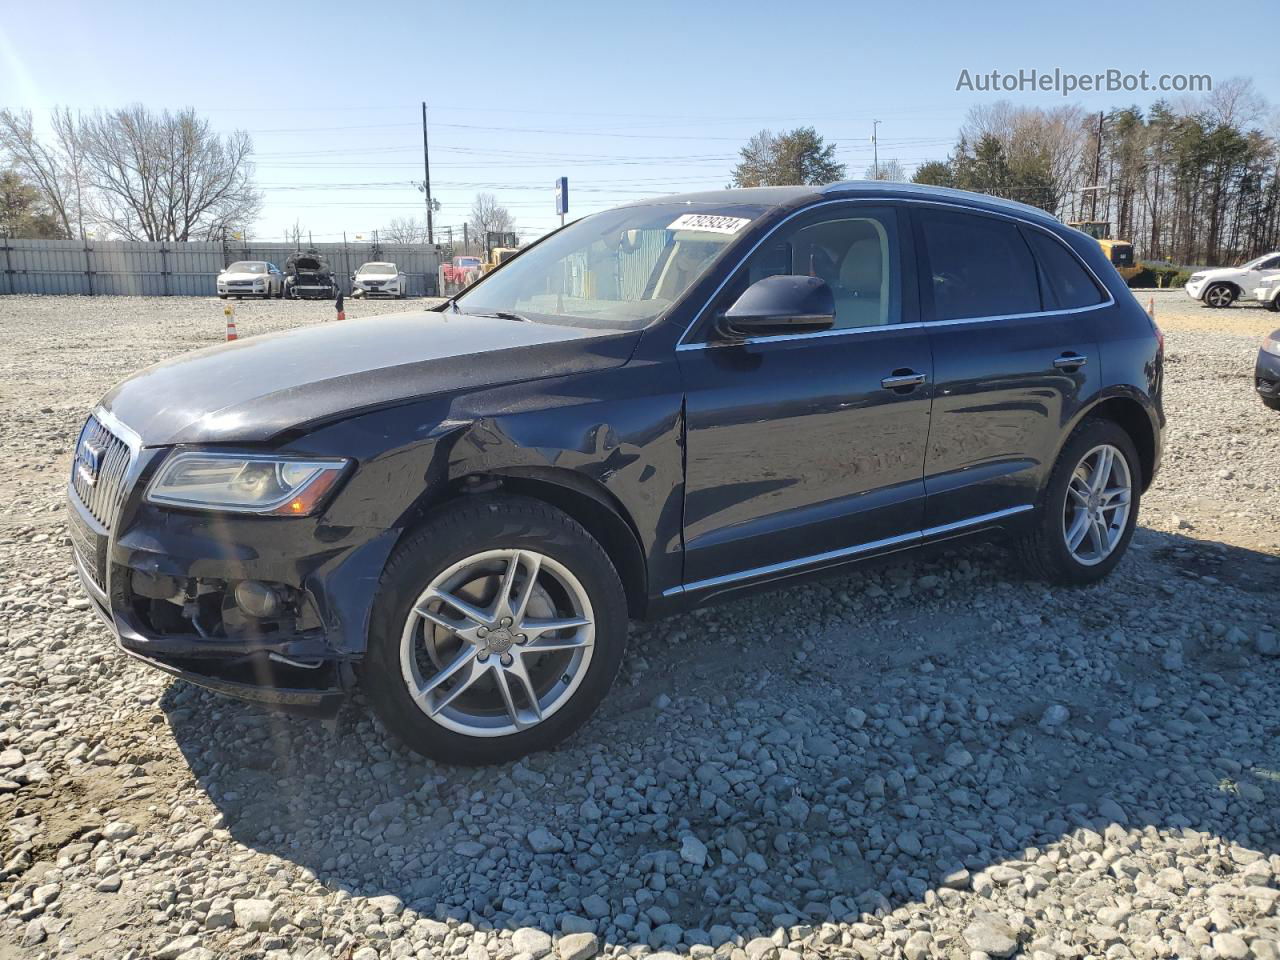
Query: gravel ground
point(930, 758)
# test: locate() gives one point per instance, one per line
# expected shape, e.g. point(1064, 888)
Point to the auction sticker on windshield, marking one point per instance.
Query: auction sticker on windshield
point(708, 223)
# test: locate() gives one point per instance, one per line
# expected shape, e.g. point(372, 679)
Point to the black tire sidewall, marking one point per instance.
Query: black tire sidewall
point(1091, 433)
point(452, 535)
point(1215, 286)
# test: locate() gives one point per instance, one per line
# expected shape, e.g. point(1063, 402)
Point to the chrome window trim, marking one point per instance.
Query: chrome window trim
point(785, 565)
point(682, 345)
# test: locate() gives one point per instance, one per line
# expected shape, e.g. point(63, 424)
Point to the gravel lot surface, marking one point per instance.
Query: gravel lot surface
point(930, 758)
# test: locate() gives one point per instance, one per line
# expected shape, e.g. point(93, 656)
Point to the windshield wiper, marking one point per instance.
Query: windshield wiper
point(505, 315)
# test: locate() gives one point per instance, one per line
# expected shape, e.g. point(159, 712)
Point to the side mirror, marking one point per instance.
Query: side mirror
point(780, 304)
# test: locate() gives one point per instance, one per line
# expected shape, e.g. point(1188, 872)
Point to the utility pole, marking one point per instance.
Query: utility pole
point(875, 149)
point(426, 176)
point(1097, 172)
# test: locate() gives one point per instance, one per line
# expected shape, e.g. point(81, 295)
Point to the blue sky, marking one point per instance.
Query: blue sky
point(627, 100)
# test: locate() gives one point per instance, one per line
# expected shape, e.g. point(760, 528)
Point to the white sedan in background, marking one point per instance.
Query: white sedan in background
point(379, 279)
point(250, 278)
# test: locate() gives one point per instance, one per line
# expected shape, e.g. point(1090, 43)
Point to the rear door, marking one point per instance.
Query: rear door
point(1014, 358)
point(802, 445)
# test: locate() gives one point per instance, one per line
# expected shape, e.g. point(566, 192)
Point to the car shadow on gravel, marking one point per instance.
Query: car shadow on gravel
point(847, 746)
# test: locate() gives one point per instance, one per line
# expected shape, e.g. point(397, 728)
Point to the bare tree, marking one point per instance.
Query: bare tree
point(888, 170)
point(42, 166)
point(487, 215)
point(167, 176)
point(404, 230)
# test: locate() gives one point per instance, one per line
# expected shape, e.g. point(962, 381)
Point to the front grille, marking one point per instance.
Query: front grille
point(99, 470)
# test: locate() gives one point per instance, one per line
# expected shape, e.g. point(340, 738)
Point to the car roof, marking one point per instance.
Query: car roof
point(886, 189)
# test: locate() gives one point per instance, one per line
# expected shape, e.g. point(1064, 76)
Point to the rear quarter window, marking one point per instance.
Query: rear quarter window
point(978, 266)
point(1065, 282)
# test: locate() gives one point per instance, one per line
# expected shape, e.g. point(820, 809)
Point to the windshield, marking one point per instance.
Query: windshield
point(618, 270)
point(378, 268)
point(247, 266)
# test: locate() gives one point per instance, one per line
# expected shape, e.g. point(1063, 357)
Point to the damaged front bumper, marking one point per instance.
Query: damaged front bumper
point(302, 661)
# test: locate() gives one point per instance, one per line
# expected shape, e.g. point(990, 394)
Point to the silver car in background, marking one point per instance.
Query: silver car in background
point(251, 278)
point(379, 279)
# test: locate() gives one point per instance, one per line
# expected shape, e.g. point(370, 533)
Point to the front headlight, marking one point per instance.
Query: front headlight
point(1271, 345)
point(1196, 278)
point(245, 483)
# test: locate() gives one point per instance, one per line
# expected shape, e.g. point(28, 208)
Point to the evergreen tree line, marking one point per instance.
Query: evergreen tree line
point(1196, 182)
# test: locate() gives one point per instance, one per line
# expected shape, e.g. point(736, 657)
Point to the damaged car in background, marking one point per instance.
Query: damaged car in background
point(307, 276)
point(652, 408)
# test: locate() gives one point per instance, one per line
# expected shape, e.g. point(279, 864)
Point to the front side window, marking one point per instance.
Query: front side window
point(1064, 281)
point(620, 269)
point(979, 266)
point(855, 251)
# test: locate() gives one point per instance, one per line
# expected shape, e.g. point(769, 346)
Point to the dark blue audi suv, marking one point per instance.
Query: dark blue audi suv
point(652, 407)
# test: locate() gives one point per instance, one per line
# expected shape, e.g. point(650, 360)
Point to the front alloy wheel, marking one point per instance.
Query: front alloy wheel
point(497, 629)
point(1220, 295)
point(497, 643)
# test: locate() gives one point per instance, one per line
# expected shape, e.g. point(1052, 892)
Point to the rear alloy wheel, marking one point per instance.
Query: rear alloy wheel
point(498, 629)
point(1090, 507)
point(1220, 295)
point(1095, 513)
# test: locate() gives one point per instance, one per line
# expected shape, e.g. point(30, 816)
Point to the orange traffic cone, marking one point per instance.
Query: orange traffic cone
point(342, 314)
point(230, 313)
point(1151, 308)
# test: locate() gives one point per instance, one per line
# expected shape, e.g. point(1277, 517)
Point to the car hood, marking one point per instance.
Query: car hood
point(253, 389)
point(1222, 273)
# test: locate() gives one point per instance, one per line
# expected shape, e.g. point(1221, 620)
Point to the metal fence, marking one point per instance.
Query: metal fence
point(165, 268)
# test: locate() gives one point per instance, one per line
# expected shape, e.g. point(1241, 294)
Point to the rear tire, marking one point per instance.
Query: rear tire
point(493, 684)
point(1220, 295)
point(1046, 550)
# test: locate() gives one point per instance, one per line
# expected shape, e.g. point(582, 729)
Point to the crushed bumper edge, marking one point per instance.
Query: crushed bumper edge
point(320, 701)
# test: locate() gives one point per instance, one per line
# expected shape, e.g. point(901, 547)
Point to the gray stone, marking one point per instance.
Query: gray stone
point(992, 936)
point(693, 850)
point(119, 830)
point(596, 906)
point(534, 942)
point(254, 914)
point(578, 946)
point(542, 840)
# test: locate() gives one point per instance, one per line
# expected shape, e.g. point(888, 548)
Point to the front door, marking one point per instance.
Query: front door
point(803, 448)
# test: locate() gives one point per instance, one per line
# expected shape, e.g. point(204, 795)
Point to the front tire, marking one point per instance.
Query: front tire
point(497, 630)
point(1272, 402)
point(1273, 304)
point(1089, 508)
point(1220, 295)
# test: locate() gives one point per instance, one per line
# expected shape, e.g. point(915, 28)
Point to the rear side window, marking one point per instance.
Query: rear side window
point(1064, 280)
point(979, 266)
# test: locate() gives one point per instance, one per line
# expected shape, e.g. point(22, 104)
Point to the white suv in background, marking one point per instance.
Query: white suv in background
point(1226, 285)
point(1267, 292)
point(379, 279)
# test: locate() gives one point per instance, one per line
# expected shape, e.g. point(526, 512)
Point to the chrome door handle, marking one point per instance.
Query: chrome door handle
point(1068, 361)
point(900, 380)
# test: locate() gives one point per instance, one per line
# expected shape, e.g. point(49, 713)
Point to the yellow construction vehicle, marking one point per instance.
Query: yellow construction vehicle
point(498, 256)
point(1119, 252)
